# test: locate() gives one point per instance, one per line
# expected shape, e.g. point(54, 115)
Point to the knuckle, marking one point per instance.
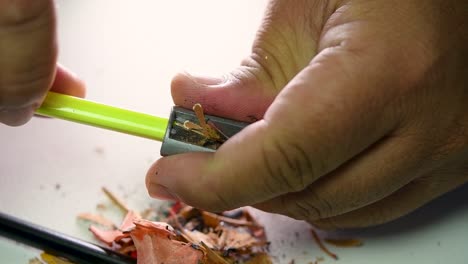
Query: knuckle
point(277, 168)
point(287, 164)
point(300, 164)
point(275, 178)
point(270, 67)
point(304, 210)
point(24, 88)
point(276, 63)
point(435, 144)
point(311, 207)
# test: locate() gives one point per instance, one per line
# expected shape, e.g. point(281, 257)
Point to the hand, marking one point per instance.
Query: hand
point(28, 54)
point(362, 111)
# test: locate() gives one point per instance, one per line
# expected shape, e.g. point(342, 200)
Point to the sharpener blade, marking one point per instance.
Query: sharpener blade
point(178, 139)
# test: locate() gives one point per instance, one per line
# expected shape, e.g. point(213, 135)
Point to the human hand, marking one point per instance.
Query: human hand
point(28, 54)
point(362, 111)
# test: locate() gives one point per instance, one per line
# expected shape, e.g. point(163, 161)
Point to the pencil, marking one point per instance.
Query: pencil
point(58, 244)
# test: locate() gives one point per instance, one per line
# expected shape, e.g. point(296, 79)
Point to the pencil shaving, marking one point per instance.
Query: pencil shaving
point(188, 235)
point(116, 200)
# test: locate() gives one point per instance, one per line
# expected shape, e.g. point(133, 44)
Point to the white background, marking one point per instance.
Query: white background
point(127, 53)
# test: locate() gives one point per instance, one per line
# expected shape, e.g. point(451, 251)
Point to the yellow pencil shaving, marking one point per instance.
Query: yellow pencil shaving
point(208, 131)
point(192, 126)
point(117, 201)
point(198, 109)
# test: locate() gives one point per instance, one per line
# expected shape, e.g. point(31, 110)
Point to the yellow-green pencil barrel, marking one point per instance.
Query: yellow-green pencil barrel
point(104, 116)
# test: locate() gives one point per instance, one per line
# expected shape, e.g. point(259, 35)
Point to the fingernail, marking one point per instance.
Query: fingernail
point(161, 192)
point(206, 80)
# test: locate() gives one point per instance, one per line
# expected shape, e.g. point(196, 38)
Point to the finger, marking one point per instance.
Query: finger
point(67, 82)
point(407, 199)
point(290, 148)
point(17, 116)
point(240, 96)
point(27, 57)
point(369, 177)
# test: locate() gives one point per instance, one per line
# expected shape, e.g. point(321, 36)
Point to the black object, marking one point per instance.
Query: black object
point(58, 244)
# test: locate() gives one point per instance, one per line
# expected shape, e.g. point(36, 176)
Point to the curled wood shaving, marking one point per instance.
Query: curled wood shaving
point(211, 256)
point(260, 259)
point(127, 249)
point(106, 236)
point(110, 236)
point(128, 221)
point(233, 238)
point(97, 219)
point(213, 220)
point(187, 212)
point(322, 246)
point(207, 130)
point(155, 243)
point(179, 227)
point(116, 200)
point(198, 237)
point(190, 125)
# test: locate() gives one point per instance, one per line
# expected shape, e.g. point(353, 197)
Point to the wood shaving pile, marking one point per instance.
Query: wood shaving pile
point(180, 234)
point(184, 235)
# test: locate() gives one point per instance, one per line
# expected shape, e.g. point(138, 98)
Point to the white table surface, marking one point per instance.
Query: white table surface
point(127, 52)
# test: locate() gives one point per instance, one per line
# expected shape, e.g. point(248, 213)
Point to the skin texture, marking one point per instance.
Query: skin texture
point(361, 111)
point(28, 59)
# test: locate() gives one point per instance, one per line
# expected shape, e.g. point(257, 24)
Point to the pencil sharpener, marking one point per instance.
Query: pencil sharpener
point(178, 139)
